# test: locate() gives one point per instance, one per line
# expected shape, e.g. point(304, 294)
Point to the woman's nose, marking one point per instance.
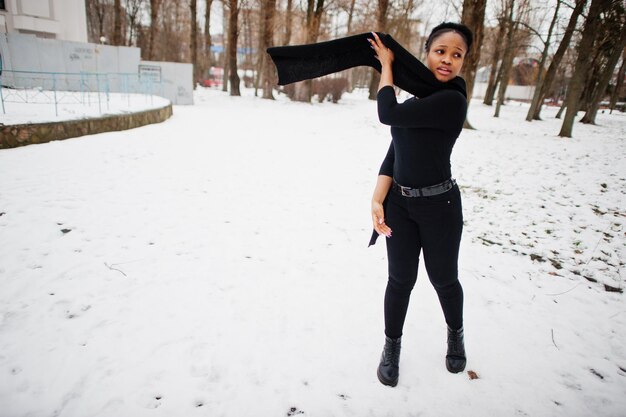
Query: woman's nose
point(445, 60)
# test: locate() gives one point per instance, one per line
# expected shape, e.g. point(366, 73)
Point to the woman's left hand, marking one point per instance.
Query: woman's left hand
point(383, 54)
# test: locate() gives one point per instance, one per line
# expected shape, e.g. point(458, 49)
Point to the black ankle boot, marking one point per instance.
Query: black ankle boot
point(455, 359)
point(388, 369)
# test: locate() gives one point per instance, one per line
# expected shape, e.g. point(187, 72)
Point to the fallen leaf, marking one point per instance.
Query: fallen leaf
point(472, 375)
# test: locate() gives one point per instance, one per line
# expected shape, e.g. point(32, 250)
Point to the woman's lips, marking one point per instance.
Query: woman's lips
point(443, 71)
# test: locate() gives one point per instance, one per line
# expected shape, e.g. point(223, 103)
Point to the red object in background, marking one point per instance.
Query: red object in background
point(213, 77)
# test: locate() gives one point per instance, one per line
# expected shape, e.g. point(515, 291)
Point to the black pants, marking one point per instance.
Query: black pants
point(432, 225)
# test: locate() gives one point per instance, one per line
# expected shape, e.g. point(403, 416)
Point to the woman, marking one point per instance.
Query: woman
point(422, 210)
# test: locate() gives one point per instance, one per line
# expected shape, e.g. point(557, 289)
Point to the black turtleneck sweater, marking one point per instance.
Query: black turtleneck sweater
point(423, 133)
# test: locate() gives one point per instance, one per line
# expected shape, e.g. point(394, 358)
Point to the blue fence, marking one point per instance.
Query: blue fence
point(83, 88)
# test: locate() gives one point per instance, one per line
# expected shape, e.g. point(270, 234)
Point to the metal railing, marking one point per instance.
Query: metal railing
point(81, 88)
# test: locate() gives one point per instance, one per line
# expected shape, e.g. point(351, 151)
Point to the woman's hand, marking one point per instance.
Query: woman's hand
point(383, 54)
point(378, 218)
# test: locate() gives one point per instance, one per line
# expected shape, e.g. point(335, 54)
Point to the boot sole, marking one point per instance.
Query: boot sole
point(387, 382)
point(455, 371)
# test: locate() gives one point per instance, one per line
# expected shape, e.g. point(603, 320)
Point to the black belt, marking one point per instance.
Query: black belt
point(424, 191)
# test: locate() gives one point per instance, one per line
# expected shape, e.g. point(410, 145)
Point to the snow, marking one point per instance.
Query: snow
point(24, 106)
point(216, 264)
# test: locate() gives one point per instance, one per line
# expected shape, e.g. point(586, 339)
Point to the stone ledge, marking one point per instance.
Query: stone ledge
point(12, 136)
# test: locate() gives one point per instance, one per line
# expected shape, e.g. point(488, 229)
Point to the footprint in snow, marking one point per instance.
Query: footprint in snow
point(294, 411)
point(154, 402)
point(74, 314)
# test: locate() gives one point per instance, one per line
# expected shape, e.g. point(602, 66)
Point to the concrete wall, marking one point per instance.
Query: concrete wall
point(21, 52)
point(513, 92)
point(176, 79)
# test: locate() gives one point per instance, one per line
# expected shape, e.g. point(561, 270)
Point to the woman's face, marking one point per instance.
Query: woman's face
point(445, 56)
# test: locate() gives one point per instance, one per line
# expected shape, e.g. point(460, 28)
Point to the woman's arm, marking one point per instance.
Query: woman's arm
point(378, 213)
point(386, 57)
point(386, 168)
point(438, 110)
point(442, 110)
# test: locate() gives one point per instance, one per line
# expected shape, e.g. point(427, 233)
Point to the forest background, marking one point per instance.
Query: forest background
point(572, 51)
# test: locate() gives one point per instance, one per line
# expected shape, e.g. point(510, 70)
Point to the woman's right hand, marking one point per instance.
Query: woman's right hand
point(378, 218)
point(383, 54)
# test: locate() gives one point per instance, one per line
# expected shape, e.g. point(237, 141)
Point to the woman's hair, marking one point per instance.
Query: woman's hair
point(445, 27)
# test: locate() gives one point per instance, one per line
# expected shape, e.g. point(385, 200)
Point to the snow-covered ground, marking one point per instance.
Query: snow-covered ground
point(216, 264)
point(23, 106)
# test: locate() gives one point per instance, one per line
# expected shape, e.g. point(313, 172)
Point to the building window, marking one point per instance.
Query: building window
point(2, 5)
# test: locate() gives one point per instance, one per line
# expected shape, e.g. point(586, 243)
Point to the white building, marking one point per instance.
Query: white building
point(52, 19)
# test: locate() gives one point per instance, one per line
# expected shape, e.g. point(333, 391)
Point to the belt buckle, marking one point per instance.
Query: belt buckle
point(404, 192)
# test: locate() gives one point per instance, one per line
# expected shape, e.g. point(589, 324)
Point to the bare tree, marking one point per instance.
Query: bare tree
point(551, 73)
point(154, 14)
point(226, 53)
point(288, 21)
point(233, 34)
point(207, 32)
point(381, 26)
point(350, 16)
point(133, 7)
point(97, 18)
point(576, 84)
point(314, 12)
point(619, 83)
point(473, 17)
point(193, 44)
point(117, 29)
point(509, 54)
point(513, 42)
point(269, 10)
point(613, 48)
point(495, 59)
point(542, 62)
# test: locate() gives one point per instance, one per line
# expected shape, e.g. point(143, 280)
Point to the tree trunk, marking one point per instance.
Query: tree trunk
point(495, 69)
point(117, 23)
point(100, 13)
point(261, 49)
point(132, 12)
point(350, 16)
point(605, 78)
point(207, 33)
point(598, 61)
point(558, 57)
point(381, 26)
point(225, 53)
point(561, 109)
point(247, 37)
point(288, 19)
point(233, 32)
point(473, 16)
point(403, 24)
point(303, 89)
point(194, 40)
point(507, 60)
point(544, 56)
point(268, 40)
point(154, 14)
point(620, 82)
point(582, 64)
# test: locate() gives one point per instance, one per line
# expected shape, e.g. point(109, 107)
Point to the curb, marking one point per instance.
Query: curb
point(13, 136)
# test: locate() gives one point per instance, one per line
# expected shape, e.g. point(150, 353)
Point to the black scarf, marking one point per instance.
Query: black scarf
point(303, 62)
